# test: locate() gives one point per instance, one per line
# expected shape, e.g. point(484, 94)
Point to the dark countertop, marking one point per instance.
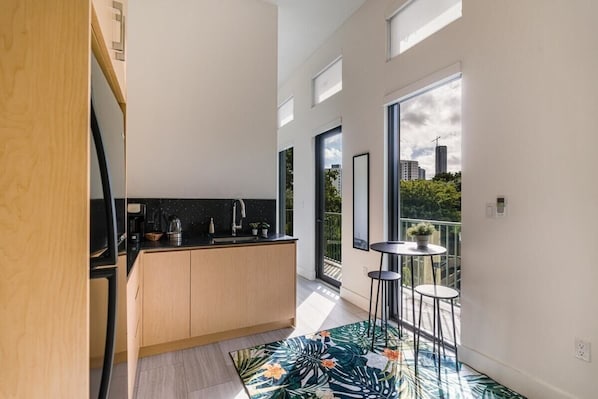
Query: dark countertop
point(197, 242)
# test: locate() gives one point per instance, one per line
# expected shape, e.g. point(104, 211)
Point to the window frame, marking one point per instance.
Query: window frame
point(395, 14)
point(282, 104)
point(320, 73)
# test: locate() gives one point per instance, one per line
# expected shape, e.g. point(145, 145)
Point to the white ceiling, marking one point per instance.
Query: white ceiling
point(303, 25)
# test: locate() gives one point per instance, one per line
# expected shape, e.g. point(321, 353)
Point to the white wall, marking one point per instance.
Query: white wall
point(201, 95)
point(530, 282)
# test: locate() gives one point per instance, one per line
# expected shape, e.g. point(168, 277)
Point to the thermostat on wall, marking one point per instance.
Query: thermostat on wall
point(501, 206)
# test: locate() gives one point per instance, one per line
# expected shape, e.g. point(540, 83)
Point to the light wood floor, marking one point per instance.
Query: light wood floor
point(207, 371)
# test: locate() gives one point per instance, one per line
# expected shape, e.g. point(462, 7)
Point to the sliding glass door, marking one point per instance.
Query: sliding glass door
point(329, 173)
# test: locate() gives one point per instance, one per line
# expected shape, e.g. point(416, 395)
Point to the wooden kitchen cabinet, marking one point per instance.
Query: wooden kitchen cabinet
point(98, 313)
point(165, 297)
point(112, 22)
point(238, 287)
point(134, 314)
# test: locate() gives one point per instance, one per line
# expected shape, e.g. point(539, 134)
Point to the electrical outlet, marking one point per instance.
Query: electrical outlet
point(582, 349)
point(365, 270)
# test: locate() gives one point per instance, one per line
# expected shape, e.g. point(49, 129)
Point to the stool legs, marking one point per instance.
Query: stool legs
point(370, 308)
point(382, 299)
point(437, 334)
point(455, 336)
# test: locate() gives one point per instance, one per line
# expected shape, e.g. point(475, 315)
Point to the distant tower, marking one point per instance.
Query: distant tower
point(440, 159)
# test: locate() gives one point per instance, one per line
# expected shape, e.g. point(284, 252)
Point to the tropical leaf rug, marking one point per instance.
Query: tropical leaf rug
point(338, 364)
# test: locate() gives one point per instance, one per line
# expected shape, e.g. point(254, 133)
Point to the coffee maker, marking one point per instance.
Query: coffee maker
point(136, 221)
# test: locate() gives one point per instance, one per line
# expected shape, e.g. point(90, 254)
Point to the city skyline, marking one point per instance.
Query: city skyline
point(425, 117)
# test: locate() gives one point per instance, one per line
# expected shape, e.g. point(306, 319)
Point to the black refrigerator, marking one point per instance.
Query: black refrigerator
point(107, 229)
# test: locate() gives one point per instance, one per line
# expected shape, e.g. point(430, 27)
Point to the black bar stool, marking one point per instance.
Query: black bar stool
point(437, 292)
point(385, 279)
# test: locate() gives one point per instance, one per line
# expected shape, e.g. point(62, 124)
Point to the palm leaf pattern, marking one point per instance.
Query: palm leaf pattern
point(339, 362)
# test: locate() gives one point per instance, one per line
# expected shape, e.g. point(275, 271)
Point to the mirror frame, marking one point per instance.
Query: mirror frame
point(361, 209)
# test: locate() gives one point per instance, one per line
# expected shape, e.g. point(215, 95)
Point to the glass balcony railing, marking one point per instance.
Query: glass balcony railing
point(448, 266)
point(332, 236)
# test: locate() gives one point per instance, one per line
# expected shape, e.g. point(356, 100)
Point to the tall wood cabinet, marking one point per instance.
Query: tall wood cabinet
point(44, 251)
point(165, 297)
point(134, 298)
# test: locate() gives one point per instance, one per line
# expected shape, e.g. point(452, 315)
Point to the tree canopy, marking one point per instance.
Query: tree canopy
point(436, 199)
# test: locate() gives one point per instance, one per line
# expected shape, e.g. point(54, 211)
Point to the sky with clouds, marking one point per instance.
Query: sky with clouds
point(427, 116)
point(333, 151)
point(423, 118)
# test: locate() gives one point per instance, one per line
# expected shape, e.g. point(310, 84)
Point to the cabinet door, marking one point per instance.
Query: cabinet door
point(98, 294)
point(218, 290)
point(109, 15)
point(133, 323)
point(165, 297)
point(273, 281)
point(239, 287)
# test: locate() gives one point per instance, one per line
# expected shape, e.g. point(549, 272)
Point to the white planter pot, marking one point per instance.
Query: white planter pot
point(264, 232)
point(422, 241)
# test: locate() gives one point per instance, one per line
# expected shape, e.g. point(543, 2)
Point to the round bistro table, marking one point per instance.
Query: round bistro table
point(408, 248)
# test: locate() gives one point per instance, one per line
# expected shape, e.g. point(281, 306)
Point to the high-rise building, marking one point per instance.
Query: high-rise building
point(337, 182)
point(410, 170)
point(441, 160)
point(421, 173)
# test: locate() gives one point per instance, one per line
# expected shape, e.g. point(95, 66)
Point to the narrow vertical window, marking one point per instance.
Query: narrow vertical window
point(328, 82)
point(286, 112)
point(285, 194)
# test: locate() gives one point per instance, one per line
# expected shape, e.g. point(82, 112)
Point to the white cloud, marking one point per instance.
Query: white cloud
point(333, 151)
point(427, 116)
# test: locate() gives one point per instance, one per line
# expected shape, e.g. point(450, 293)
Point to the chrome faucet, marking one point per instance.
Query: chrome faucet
point(240, 225)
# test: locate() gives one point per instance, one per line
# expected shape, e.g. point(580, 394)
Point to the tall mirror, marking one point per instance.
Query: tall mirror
point(361, 201)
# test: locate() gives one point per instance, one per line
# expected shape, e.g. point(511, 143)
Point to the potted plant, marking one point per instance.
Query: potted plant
point(265, 227)
point(422, 232)
point(254, 226)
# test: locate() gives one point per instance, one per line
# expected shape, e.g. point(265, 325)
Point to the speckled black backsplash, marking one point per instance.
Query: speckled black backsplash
point(195, 214)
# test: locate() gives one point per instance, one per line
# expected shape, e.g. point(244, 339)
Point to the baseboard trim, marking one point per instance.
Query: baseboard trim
point(515, 379)
point(355, 298)
point(308, 274)
point(211, 338)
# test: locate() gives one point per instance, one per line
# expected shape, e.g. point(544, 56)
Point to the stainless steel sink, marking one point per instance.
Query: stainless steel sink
point(233, 240)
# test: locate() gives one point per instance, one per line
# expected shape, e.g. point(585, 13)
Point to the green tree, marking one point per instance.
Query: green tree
point(431, 199)
point(289, 178)
point(332, 196)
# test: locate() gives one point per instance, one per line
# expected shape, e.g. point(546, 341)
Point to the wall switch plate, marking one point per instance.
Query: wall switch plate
point(582, 349)
point(365, 270)
point(489, 210)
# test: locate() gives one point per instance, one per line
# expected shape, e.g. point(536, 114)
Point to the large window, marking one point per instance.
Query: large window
point(425, 181)
point(328, 82)
point(419, 19)
point(286, 112)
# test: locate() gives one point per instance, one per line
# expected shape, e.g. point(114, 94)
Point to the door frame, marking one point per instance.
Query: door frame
point(320, 205)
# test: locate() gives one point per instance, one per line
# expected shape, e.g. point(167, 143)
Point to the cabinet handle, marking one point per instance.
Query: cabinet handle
point(119, 46)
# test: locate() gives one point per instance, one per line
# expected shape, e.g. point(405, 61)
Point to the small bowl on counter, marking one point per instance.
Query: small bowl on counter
point(155, 236)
